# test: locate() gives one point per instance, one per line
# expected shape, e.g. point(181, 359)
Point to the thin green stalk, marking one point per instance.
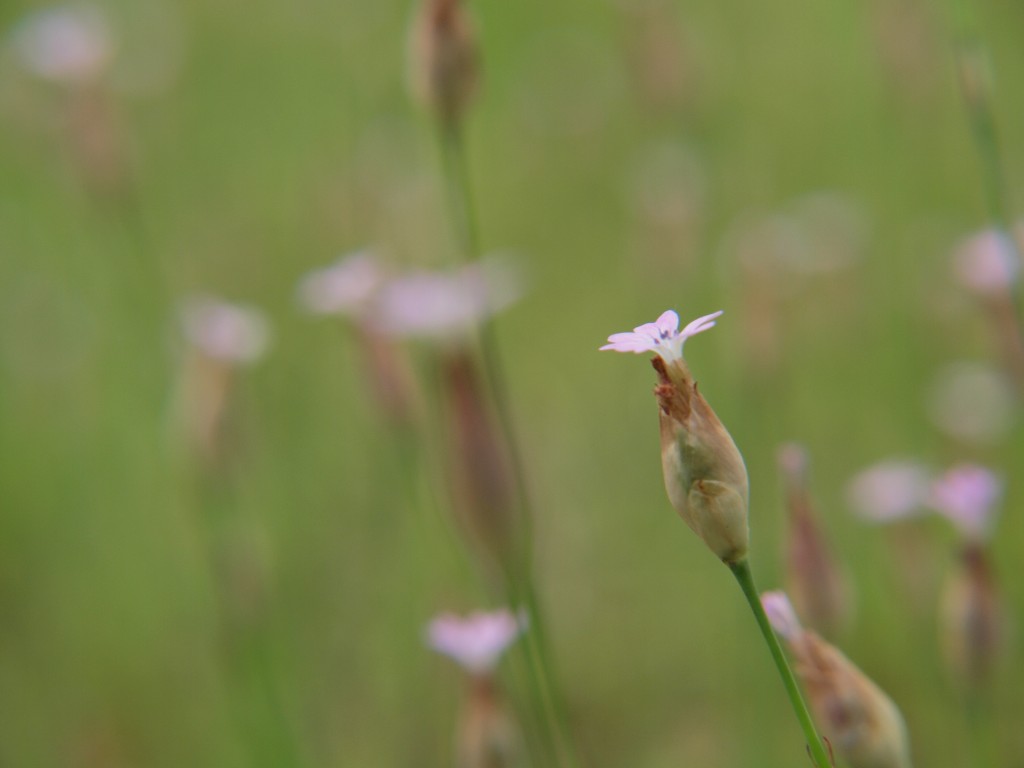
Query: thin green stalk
point(984, 753)
point(520, 584)
point(819, 754)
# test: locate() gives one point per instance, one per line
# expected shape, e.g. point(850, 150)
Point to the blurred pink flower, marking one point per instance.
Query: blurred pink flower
point(889, 490)
point(443, 305)
point(662, 337)
point(966, 495)
point(69, 44)
point(781, 615)
point(224, 331)
point(345, 287)
point(477, 641)
point(986, 263)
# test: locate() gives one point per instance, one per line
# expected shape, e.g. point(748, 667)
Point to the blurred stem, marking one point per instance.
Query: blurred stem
point(519, 578)
point(819, 754)
point(981, 734)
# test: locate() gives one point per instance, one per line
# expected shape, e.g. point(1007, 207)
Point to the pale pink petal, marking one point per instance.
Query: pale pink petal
point(966, 495)
point(477, 641)
point(986, 263)
point(889, 490)
point(701, 324)
point(781, 615)
point(667, 323)
point(630, 342)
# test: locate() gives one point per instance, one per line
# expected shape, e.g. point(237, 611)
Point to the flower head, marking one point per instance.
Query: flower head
point(477, 641)
point(705, 477)
point(345, 287)
point(986, 263)
point(966, 495)
point(224, 331)
point(443, 305)
point(64, 44)
point(781, 615)
point(662, 337)
point(889, 490)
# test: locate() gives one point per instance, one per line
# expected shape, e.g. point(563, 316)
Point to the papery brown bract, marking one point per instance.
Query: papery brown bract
point(817, 587)
point(480, 469)
point(487, 737)
point(705, 477)
point(972, 620)
point(862, 723)
point(444, 60)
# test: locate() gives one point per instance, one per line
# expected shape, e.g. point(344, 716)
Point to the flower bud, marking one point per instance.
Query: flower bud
point(443, 58)
point(812, 573)
point(487, 737)
point(972, 620)
point(860, 721)
point(705, 476)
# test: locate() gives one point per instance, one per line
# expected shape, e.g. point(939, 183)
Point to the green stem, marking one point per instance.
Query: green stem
point(819, 754)
point(979, 723)
point(519, 580)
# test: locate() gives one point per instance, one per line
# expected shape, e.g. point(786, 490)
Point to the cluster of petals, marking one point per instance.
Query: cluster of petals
point(69, 44)
point(662, 337)
point(224, 331)
point(476, 641)
point(966, 494)
point(987, 263)
point(438, 304)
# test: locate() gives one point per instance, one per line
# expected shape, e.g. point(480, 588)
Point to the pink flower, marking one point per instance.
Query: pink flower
point(477, 641)
point(781, 615)
point(224, 331)
point(966, 495)
point(662, 337)
point(442, 305)
point(889, 490)
point(345, 287)
point(65, 44)
point(986, 263)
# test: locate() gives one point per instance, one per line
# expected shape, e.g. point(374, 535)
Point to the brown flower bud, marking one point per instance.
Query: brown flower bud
point(814, 580)
point(487, 736)
point(444, 60)
point(705, 476)
point(972, 620)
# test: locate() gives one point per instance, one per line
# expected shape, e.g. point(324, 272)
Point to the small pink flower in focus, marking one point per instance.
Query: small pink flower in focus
point(69, 45)
point(444, 305)
point(477, 641)
point(890, 490)
point(966, 495)
point(781, 615)
point(986, 263)
point(345, 287)
point(225, 332)
point(662, 337)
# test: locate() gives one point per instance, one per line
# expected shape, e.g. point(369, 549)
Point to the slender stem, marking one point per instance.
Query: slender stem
point(519, 579)
point(984, 753)
point(819, 754)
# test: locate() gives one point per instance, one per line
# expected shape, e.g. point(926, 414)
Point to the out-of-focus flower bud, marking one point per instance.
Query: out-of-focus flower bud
point(972, 620)
point(813, 576)
point(860, 720)
point(483, 483)
point(705, 476)
point(444, 62)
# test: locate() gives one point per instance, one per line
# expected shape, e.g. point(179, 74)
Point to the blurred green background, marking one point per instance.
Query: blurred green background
point(637, 155)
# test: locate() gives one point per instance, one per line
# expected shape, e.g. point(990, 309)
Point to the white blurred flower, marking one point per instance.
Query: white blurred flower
point(477, 641)
point(966, 495)
point(986, 263)
point(445, 304)
point(345, 287)
point(223, 331)
point(972, 401)
point(70, 44)
point(889, 490)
